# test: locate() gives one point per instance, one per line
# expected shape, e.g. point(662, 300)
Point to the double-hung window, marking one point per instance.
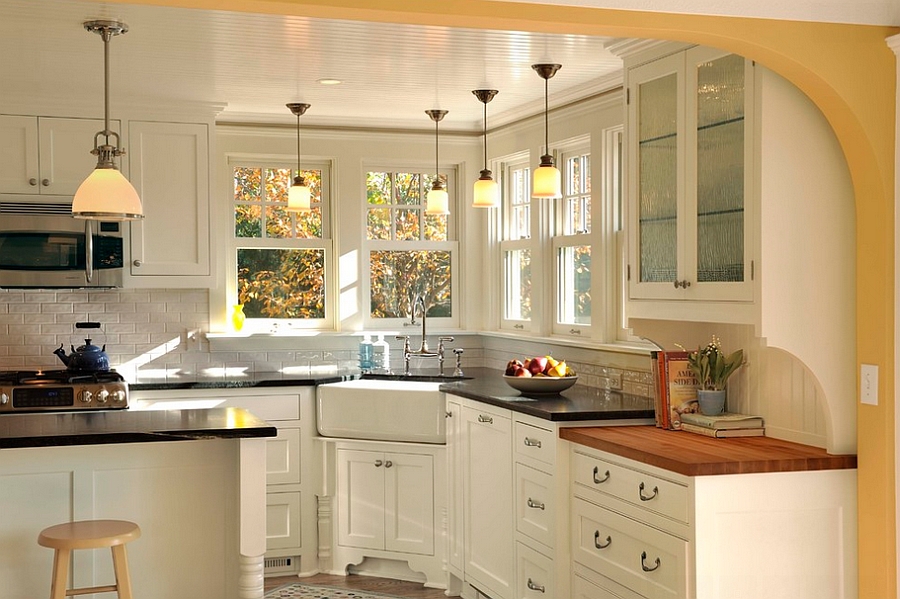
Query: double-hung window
point(571, 244)
point(516, 246)
point(280, 260)
point(409, 253)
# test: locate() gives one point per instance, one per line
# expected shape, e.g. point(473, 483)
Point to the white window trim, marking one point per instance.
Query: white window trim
point(393, 325)
point(505, 245)
point(268, 325)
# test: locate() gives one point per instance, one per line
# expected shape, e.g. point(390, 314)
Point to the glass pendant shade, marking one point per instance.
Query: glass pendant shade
point(486, 192)
point(107, 195)
point(437, 201)
point(299, 196)
point(547, 181)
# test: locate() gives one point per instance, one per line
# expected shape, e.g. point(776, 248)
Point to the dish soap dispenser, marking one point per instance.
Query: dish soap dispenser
point(366, 354)
point(382, 355)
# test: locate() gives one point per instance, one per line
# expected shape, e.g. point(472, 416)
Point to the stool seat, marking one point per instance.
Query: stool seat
point(89, 534)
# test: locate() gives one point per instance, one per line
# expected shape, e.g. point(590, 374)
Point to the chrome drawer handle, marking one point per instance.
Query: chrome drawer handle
point(532, 443)
point(600, 481)
point(644, 566)
point(597, 542)
point(486, 419)
point(535, 504)
point(535, 587)
point(646, 497)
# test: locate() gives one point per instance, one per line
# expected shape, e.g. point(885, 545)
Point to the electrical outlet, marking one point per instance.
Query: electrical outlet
point(868, 384)
point(192, 340)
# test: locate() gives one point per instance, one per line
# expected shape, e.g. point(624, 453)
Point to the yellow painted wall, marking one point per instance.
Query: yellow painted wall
point(847, 70)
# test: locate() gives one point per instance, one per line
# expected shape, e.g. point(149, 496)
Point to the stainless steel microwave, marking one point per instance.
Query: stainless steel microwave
point(43, 246)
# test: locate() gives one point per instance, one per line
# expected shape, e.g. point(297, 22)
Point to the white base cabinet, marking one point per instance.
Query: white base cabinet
point(291, 531)
point(642, 532)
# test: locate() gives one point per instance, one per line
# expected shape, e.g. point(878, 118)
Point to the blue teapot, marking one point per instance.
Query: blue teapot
point(87, 357)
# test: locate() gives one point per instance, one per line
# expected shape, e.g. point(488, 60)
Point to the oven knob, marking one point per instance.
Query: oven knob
point(86, 396)
point(4, 399)
point(102, 395)
point(118, 396)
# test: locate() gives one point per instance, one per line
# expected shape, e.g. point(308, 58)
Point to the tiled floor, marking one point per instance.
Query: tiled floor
point(399, 588)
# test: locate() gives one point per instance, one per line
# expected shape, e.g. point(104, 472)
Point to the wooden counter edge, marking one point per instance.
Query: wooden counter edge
point(696, 455)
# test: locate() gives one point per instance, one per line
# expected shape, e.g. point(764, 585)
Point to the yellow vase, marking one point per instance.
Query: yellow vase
point(238, 317)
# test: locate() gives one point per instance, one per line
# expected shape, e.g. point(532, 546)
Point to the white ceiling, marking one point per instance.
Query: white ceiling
point(254, 64)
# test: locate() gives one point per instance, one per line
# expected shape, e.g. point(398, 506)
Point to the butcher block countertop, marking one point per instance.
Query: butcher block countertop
point(696, 455)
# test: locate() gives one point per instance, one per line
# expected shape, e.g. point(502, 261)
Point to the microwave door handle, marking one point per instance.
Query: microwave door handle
point(88, 251)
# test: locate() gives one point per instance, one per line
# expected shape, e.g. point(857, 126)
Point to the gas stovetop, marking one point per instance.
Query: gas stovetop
point(61, 390)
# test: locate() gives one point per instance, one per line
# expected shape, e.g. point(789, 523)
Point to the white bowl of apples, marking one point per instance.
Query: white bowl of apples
point(541, 375)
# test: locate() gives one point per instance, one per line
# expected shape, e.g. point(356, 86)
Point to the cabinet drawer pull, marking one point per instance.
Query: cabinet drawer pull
point(532, 443)
point(45, 182)
point(600, 481)
point(644, 565)
point(32, 181)
point(378, 463)
point(535, 587)
point(486, 419)
point(647, 497)
point(388, 464)
point(535, 504)
point(597, 542)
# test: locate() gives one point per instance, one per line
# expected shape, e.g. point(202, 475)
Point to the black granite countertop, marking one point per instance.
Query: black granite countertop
point(253, 379)
point(579, 403)
point(128, 426)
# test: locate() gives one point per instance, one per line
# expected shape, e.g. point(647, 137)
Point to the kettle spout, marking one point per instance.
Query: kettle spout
point(61, 354)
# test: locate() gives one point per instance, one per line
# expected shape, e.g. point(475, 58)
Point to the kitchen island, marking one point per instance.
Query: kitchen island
point(193, 480)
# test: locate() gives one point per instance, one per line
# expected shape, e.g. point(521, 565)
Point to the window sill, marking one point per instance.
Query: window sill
point(621, 347)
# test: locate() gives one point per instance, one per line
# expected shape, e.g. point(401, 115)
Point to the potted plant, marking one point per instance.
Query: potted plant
point(712, 369)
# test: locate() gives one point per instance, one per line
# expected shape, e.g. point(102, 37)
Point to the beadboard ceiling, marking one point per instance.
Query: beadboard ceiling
point(254, 64)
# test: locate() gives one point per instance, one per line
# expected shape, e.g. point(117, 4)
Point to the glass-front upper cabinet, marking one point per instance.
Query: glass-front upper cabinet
point(690, 150)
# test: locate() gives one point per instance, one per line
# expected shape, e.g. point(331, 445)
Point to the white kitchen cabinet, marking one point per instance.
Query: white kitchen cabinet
point(291, 511)
point(690, 171)
point(170, 168)
point(386, 501)
point(638, 531)
point(46, 155)
point(488, 511)
point(455, 496)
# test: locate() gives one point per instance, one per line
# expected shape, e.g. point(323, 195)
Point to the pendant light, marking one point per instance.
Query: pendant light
point(437, 201)
point(299, 195)
point(547, 181)
point(486, 191)
point(106, 194)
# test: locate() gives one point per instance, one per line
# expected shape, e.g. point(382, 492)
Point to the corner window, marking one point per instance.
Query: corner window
point(409, 252)
point(279, 259)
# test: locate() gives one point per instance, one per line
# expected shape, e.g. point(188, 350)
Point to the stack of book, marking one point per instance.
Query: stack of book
point(675, 387)
point(727, 424)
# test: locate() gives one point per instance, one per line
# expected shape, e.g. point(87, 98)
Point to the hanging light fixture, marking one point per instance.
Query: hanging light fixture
point(437, 201)
point(547, 182)
point(486, 191)
point(299, 195)
point(106, 194)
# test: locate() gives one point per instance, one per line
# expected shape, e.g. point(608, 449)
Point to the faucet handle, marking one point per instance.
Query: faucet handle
point(442, 339)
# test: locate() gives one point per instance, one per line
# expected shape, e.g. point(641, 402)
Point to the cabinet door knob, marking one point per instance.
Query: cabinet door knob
point(644, 565)
point(683, 284)
point(32, 181)
point(597, 542)
point(600, 481)
point(647, 497)
point(378, 463)
point(388, 464)
point(45, 182)
point(137, 263)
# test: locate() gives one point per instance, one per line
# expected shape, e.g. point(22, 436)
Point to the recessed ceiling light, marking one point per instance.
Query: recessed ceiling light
point(327, 81)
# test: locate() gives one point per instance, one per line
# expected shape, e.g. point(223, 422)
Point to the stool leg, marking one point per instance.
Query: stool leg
point(123, 577)
point(60, 573)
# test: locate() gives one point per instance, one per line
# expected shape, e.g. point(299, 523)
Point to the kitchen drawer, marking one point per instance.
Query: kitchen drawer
point(645, 491)
point(535, 504)
point(283, 457)
point(642, 558)
point(534, 574)
point(283, 521)
point(535, 442)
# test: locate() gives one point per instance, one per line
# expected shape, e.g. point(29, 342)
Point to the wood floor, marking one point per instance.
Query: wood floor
point(399, 588)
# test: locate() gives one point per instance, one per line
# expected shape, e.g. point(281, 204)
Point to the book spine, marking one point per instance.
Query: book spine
point(654, 374)
point(663, 390)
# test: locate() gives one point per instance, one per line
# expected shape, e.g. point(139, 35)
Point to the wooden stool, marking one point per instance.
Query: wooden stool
point(89, 534)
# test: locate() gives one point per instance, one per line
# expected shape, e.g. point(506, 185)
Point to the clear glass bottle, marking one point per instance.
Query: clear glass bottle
point(382, 354)
point(366, 354)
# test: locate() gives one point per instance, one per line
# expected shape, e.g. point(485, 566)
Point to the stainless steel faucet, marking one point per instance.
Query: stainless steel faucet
point(423, 351)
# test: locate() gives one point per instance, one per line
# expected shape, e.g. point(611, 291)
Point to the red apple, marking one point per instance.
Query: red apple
point(520, 371)
point(537, 365)
point(511, 367)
